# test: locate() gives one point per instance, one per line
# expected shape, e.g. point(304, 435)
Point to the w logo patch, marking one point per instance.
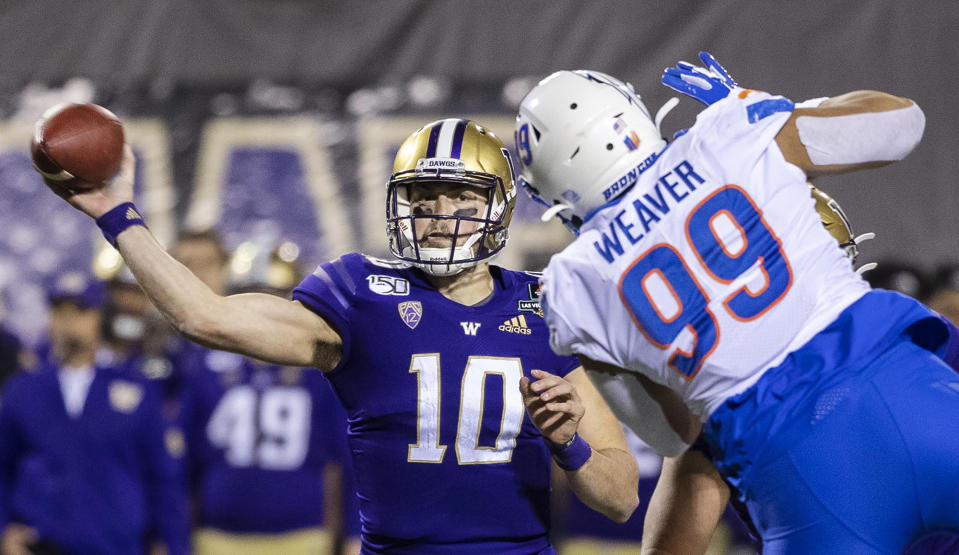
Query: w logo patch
point(470, 328)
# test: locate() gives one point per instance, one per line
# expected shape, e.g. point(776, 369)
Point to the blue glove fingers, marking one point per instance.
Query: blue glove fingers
point(685, 65)
point(712, 64)
point(675, 81)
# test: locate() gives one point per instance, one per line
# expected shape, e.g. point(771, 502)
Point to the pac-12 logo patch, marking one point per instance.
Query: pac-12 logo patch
point(410, 312)
point(388, 285)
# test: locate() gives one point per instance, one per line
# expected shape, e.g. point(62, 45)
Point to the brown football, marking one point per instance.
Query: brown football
point(79, 145)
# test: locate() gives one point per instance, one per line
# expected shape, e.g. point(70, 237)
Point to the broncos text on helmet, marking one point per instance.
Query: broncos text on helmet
point(444, 154)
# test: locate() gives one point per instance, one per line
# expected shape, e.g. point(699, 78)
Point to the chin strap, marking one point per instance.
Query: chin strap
point(663, 111)
point(553, 210)
point(859, 239)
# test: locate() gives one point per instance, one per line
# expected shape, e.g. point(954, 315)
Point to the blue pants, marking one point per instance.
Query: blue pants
point(834, 456)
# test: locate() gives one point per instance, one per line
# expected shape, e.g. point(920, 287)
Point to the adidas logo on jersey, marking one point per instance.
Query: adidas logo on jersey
point(516, 324)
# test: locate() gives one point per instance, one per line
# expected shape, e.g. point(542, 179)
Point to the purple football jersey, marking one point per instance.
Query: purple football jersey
point(259, 437)
point(444, 455)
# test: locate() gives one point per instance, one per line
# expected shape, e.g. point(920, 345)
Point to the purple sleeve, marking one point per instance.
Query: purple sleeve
point(328, 292)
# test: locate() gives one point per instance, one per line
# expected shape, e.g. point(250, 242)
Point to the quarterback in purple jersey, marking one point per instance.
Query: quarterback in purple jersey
point(455, 401)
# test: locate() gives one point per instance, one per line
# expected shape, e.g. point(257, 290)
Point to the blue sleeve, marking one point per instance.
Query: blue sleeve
point(11, 449)
point(937, 334)
point(163, 449)
point(949, 352)
point(329, 292)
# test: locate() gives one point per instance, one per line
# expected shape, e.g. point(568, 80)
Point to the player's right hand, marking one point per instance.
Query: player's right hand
point(708, 84)
point(553, 405)
point(99, 200)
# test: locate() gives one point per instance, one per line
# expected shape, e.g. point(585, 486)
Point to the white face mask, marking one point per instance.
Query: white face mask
point(128, 328)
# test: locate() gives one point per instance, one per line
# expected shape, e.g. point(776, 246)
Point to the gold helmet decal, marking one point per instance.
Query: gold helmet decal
point(447, 153)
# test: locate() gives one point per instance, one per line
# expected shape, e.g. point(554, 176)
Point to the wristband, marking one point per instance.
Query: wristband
point(571, 455)
point(118, 219)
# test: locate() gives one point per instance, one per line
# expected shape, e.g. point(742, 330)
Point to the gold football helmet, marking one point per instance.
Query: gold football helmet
point(444, 153)
point(837, 224)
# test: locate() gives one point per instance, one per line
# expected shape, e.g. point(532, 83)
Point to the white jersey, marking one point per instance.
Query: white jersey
point(711, 269)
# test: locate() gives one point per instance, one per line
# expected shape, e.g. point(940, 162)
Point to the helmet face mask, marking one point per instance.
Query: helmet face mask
point(458, 179)
point(583, 138)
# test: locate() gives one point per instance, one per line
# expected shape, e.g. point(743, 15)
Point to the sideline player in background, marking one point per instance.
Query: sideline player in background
point(437, 358)
point(264, 441)
point(86, 462)
point(702, 274)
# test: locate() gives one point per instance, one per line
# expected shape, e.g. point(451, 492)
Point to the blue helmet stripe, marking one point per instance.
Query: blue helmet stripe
point(434, 139)
point(458, 134)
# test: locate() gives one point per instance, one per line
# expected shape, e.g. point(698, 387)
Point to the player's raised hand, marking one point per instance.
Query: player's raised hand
point(96, 200)
point(553, 405)
point(708, 84)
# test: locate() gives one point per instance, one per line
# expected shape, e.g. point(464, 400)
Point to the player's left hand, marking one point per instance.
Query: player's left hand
point(708, 84)
point(553, 405)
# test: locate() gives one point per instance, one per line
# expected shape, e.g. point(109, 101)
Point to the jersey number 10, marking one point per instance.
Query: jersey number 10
point(662, 273)
point(428, 449)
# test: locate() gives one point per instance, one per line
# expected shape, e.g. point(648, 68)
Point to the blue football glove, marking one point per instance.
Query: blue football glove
point(708, 84)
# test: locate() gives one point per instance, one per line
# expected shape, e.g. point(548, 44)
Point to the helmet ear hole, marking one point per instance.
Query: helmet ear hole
point(573, 106)
point(609, 146)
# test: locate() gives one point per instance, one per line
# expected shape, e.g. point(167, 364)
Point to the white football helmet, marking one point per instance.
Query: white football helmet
point(583, 138)
point(450, 151)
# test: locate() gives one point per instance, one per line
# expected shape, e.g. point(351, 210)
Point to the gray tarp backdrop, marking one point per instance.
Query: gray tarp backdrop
point(800, 48)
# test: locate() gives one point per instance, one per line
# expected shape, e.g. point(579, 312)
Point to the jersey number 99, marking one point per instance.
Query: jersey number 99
point(661, 273)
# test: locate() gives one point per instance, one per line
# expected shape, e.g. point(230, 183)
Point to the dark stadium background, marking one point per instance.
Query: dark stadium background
point(278, 119)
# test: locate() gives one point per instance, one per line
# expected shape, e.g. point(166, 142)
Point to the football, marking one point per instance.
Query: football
point(78, 145)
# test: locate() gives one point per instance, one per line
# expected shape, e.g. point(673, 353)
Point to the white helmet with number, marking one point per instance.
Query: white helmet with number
point(583, 138)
